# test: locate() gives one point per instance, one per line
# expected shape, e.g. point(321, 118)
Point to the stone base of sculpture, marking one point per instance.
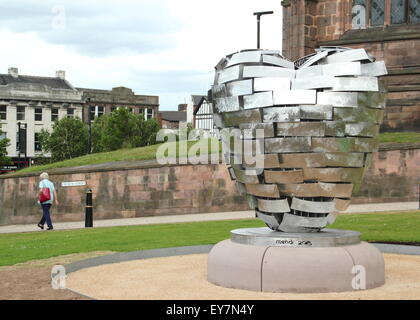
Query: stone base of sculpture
point(261, 259)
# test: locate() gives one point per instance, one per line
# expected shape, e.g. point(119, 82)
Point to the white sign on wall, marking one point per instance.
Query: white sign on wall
point(73, 184)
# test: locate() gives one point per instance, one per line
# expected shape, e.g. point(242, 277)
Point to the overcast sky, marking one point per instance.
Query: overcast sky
point(156, 47)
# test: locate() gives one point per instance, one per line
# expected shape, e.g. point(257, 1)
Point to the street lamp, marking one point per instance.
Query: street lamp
point(259, 14)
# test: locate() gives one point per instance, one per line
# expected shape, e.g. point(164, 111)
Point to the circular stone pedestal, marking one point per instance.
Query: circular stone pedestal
point(260, 259)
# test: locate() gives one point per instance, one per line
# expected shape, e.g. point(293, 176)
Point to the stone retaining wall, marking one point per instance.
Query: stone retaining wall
point(137, 189)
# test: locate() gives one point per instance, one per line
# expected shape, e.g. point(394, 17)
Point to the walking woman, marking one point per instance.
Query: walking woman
point(46, 205)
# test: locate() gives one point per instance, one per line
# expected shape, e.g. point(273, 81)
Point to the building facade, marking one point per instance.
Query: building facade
point(203, 116)
point(98, 102)
point(29, 104)
point(387, 29)
point(33, 103)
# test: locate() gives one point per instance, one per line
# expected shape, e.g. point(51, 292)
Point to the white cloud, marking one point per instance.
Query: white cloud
point(166, 48)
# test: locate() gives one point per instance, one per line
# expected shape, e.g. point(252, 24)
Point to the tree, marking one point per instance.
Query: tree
point(68, 139)
point(122, 129)
point(4, 143)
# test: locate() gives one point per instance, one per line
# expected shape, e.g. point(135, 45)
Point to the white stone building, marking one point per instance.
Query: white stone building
point(34, 102)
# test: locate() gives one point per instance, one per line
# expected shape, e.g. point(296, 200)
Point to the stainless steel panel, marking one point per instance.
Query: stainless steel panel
point(366, 145)
point(338, 99)
point(241, 188)
point(289, 176)
point(316, 82)
point(263, 190)
point(372, 99)
point(270, 161)
point(227, 104)
point(332, 144)
point(231, 119)
point(249, 130)
point(258, 100)
point(264, 71)
point(232, 173)
point(359, 114)
point(294, 97)
point(362, 129)
point(274, 206)
point(302, 160)
point(312, 60)
point(333, 174)
point(320, 189)
point(316, 112)
point(356, 84)
point(279, 114)
point(374, 69)
point(293, 144)
point(270, 84)
point(218, 120)
point(294, 223)
point(228, 74)
point(252, 202)
point(268, 219)
point(218, 91)
point(278, 62)
point(335, 128)
point(313, 206)
point(312, 71)
point(244, 57)
point(342, 69)
point(344, 159)
point(246, 176)
point(348, 56)
point(239, 88)
point(300, 129)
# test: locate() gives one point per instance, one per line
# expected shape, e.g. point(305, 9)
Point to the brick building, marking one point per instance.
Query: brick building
point(99, 102)
point(387, 29)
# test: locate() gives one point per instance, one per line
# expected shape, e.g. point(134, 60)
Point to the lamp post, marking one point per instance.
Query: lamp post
point(259, 14)
point(90, 126)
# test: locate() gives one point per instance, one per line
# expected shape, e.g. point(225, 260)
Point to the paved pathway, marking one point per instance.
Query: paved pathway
point(371, 207)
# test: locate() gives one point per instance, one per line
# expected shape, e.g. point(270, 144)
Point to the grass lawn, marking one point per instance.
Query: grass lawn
point(22, 247)
point(143, 153)
point(399, 137)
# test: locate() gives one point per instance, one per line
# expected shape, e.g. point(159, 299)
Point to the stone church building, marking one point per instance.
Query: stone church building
point(387, 29)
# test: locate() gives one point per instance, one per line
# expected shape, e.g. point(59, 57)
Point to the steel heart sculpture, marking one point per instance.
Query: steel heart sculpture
point(313, 124)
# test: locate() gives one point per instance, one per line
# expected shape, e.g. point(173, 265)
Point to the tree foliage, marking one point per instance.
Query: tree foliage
point(123, 129)
point(68, 139)
point(4, 143)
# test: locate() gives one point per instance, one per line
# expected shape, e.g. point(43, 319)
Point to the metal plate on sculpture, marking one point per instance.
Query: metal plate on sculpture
point(313, 206)
point(280, 114)
point(268, 237)
point(316, 112)
point(342, 69)
point(301, 129)
point(316, 82)
point(312, 71)
point(289, 176)
point(244, 57)
point(338, 99)
point(374, 69)
point(231, 119)
point(239, 88)
point(228, 74)
point(349, 56)
point(297, 223)
point(278, 62)
point(264, 72)
point(271, 84)
point(227, 104)
point(258, 100)
point(263, 190)
point(251, 130)
point(285, 145)
point(293, 97)
point(274, 206)
point(355, 84)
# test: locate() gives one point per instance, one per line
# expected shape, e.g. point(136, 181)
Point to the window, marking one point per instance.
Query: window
point(37, 146)
point(96, 112)
point(3, 113)
point(38, 114)
point(377, 12)
point(130, 110)
point(3, 135)
point(148, 113)
point(70, 112)
point(54, 114)
point(20, 113)
point(384, 12)
point(113, 109)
